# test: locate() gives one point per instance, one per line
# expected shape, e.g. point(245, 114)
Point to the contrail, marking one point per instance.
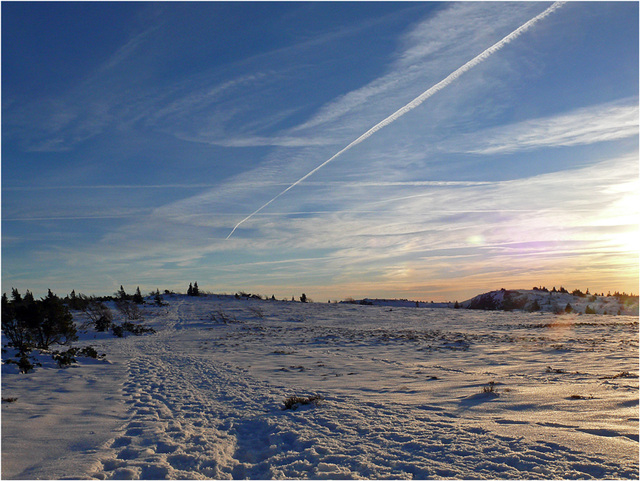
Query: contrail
point(417, 101)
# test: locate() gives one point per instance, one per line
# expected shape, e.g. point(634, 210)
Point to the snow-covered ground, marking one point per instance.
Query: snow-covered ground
point(408, 393)
point(529, 300)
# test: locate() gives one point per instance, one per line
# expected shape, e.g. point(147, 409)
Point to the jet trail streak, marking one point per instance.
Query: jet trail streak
point(416, 102)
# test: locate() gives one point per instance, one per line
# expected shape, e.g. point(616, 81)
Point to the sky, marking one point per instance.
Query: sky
point(156, 144)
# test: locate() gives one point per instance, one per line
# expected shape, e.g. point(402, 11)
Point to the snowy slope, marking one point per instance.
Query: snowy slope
point(524, 299)
point(553, 301)
point(403, 388)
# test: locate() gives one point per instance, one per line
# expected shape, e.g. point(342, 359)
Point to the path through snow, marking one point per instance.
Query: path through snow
point(403, 394)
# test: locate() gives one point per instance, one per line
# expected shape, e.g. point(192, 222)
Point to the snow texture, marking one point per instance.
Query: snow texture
point(406, 393)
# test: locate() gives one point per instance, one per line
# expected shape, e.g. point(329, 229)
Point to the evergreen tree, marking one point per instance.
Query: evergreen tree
point(29, 323)
point(56, 324)
point(15, 295)
point(121, 294)
point(190, 290)
point(196, 291)
point(303, 297)
point(158, 298)
point(12, 327)
point(137, 297)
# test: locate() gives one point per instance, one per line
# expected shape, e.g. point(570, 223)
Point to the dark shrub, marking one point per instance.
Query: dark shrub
point(117, 330)
point(131, 328)
point(103, 323)
point(294, 402)
point(30, 323)
point(88, 351)
point(65, 358)
point(56, 325)
point(13, 326)
point(99, 315)
point(128, 309)
point(24, 363)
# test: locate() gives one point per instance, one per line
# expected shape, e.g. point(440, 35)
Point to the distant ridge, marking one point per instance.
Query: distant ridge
point(531, 300)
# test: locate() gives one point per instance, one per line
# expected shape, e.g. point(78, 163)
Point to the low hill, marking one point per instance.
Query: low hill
point(531, 300)
point(554, 301)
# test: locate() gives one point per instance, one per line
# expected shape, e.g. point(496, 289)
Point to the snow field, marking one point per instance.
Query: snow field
point(403, 388)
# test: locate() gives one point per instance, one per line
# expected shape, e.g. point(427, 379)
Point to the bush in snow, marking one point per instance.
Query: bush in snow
point(68, 357)
point(28, 323)
point(65, 358)
point(76, 302)
point(121, 330)
point(99, 315)
point(490, 388)
point(157, 298)
point(24, 363)
point(294, 402)
point(128, 309)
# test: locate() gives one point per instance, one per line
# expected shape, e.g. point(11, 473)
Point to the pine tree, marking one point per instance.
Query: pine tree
point(12, 327)
point(15, 295)
point(196, 291)
point(158, 298)
point(137, 297)
point(190, 290)
point(121, 294)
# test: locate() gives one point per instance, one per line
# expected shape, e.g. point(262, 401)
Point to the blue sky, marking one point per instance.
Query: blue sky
point(136, 136)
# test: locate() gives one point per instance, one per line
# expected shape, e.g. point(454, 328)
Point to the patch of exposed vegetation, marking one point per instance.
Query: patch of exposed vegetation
point(294, 402)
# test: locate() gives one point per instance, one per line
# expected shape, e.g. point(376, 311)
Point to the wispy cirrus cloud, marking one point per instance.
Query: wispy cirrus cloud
point(453, 76)
point(598, 123)
point(434, 47)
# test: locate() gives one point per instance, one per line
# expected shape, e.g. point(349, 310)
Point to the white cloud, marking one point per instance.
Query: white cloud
point(598, 123)
point(435, 47)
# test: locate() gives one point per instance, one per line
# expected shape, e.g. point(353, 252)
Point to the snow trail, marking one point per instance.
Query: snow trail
point(404, 396)
point(414, 103)
point(205, 399)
